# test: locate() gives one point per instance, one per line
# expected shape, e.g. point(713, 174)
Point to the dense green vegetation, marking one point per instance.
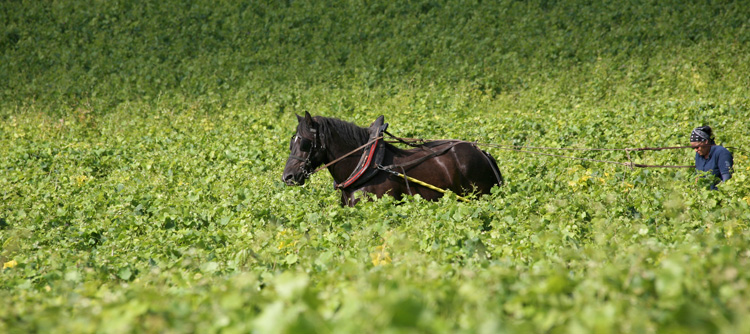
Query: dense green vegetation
point(142, 144)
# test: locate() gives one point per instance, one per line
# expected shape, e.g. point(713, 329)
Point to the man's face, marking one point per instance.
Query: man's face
point(701, 147)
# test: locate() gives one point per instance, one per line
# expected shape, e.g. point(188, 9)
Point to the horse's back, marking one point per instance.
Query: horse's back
point(461, 167)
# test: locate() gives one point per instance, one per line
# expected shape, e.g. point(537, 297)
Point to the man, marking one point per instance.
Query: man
point(709, 157)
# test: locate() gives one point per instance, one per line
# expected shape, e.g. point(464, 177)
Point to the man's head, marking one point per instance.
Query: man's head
point(701, 140)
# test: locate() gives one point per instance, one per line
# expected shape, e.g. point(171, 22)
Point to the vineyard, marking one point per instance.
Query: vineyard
point(142, 146)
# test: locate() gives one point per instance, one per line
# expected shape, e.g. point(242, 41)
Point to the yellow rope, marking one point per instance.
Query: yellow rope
point(409, 178)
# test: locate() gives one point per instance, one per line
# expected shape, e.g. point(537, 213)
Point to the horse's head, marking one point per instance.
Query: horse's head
point(306, 151)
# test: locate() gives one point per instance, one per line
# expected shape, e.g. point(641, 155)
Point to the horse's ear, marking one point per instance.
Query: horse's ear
point(308, 119)
point(299, 118)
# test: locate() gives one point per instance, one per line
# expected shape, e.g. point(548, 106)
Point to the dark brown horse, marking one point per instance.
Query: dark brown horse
point(453, 165)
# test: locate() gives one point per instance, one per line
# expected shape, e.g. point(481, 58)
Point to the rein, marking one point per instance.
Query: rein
point(409, 163)
point(345, 155)
point(424, 158)
point(390, 168)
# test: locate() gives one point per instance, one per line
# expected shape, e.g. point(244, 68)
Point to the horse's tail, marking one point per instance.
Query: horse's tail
point(493, 164)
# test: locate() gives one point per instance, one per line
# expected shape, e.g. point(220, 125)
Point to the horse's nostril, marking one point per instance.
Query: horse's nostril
point(289, 179)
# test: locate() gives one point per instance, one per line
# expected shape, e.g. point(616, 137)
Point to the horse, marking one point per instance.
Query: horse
point(379, 167)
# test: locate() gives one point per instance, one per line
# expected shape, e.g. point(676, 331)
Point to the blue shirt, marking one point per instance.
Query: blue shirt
point(719, 163)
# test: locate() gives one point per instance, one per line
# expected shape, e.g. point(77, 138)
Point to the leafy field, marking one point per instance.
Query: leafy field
point(142, 145)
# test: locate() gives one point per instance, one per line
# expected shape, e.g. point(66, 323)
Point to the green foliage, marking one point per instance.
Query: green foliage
point(142, 144)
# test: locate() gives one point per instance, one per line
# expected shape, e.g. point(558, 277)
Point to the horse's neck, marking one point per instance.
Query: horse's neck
point(343, 168)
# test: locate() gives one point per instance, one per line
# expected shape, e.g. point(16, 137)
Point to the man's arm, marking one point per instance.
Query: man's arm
point(725, 165)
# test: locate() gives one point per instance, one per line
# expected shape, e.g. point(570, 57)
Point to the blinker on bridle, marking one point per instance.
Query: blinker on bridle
point(305, 145)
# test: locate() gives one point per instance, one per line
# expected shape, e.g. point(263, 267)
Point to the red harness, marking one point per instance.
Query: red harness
point(364, 163)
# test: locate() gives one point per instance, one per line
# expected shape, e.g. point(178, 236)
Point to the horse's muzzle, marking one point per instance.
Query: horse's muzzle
point(292, 179)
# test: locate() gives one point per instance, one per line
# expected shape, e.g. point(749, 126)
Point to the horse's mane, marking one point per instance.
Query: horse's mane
point(345, 131)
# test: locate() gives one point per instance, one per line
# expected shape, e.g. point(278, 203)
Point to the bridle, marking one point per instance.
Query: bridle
point(308, 146)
